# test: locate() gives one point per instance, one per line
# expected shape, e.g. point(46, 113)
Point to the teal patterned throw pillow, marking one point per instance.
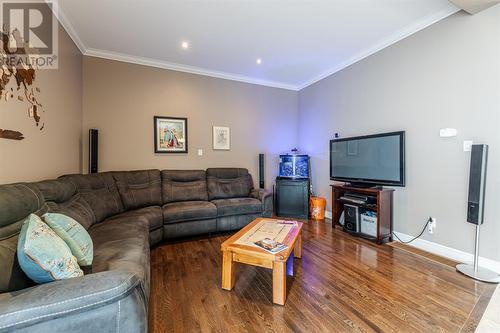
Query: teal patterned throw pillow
point(75, 236)
point(43, 255)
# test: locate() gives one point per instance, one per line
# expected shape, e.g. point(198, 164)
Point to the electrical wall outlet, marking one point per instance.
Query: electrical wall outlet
point(432, 225)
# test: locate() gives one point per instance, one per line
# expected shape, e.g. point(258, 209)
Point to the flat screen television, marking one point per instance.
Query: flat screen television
point(371, 160)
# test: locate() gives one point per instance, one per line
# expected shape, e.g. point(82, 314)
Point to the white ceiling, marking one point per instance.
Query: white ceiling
point(299, 41)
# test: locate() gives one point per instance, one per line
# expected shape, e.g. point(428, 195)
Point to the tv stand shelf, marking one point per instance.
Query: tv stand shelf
point(382, 207)
point(366, 206)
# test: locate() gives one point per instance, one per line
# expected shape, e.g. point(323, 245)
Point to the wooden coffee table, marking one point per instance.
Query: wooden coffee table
point(234, 251)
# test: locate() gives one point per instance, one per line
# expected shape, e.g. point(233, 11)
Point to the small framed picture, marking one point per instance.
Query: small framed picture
point(170, 135)
point(221, 138)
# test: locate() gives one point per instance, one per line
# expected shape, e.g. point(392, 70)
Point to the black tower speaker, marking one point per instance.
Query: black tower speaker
point(475, 210)
point(93, 150)
point(261, 170)
point(351, 218)
point(477, 182)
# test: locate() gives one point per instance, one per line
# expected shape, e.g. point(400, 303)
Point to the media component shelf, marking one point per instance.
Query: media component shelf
point(367, 212)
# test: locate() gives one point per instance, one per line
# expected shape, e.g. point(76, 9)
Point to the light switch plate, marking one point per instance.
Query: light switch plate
point(468, 145)
point(200, 152)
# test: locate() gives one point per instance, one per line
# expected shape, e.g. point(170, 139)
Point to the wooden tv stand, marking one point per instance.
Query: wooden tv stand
point(383, 209)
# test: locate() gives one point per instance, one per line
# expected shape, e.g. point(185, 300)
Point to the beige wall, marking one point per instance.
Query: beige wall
point(55, 150)
point(447, 75)
point(120, 100)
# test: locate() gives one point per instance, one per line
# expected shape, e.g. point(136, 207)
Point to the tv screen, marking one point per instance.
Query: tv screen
point(373, 159)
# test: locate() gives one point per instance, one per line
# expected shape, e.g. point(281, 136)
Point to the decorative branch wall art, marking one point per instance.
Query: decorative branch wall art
point(23, 90)
point(13, 135)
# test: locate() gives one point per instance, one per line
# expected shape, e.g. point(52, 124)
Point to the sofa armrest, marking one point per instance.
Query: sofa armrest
point(266, 197)
point(44, 305)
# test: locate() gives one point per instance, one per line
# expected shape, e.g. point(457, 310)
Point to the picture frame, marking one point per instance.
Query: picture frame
point(170, 135)
point(221, 138)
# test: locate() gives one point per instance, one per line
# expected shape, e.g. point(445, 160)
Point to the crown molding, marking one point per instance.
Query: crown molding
point(386, 42)
point(184, 68)
point(70, 30)
point(65, 23)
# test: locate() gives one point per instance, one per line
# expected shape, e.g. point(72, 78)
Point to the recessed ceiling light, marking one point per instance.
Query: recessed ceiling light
point(259, 61)
point(185, 45)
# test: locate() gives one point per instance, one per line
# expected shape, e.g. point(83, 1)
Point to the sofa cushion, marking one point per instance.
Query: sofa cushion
point(62, 197)
point(139, 188)
point(123, 245)
point(55, 190)
point(184, 185)
point(100, 192)
point(188, 211)
point(77, 208)
point(75, 236)
point(237, 206)
point(235, 222)
point(17, 201)
point(152, 215)
point(189, 228)
point(43, 255)
point(223, 183)
point(12, 277)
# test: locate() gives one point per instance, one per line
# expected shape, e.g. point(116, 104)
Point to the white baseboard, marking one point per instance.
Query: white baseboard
point(449, 252)
point(443, 251)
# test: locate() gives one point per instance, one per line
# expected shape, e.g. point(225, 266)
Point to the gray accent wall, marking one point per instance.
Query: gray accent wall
point(447, 75)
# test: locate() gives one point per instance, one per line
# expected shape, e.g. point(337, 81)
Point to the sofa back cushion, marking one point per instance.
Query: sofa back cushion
point(139, 189)
point(17, 201)
point(56, 190)
point(100, 192)
point(62, 197)
point(184, 185)
point(223, 183)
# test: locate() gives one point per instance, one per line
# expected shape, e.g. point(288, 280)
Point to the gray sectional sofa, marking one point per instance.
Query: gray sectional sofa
point(125, 213)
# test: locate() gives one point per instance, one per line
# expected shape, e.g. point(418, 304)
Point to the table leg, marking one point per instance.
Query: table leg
point(279, 282)
point(289, 266)
point(228, 270)
point(297, 250)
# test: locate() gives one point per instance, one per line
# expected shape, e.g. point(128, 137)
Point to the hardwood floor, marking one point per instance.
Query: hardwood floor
point(341, 284)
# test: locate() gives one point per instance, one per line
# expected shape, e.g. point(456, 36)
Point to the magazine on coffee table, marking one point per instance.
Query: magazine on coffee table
point(270, 245)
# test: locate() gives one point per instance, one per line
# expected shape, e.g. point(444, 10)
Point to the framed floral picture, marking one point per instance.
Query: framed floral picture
point(221, 138)
point(170, 135)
